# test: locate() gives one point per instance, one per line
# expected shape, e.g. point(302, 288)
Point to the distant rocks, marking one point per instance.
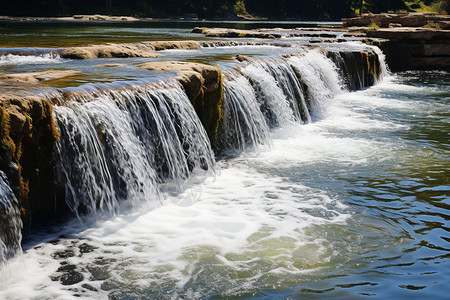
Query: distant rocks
point(99, 18)
point(397, 20)
point(415, 48)
point(228, 32)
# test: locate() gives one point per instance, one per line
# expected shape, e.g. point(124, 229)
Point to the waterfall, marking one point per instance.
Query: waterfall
point(118, 147)
point(274, 104)
point(245, 125)
point(10, 222)
point(320, 76)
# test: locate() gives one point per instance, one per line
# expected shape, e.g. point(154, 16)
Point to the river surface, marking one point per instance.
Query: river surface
point(352, 205)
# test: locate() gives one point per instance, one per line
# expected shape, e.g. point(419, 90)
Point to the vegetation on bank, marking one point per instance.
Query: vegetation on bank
point(301, 9)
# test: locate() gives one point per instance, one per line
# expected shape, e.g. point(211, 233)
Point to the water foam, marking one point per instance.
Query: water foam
point(12, 59)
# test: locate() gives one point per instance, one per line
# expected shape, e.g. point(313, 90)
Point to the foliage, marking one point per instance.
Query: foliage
point(373, 26)
point(239, 7)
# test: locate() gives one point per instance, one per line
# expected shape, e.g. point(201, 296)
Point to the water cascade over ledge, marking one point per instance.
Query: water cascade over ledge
point(120, 147)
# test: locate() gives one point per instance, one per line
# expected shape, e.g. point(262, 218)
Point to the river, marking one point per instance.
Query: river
point(351, 203)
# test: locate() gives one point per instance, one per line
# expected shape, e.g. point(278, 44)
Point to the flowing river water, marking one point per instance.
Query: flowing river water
point(348, 200)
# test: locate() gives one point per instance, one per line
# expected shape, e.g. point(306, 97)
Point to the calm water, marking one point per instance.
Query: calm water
point(353, 205)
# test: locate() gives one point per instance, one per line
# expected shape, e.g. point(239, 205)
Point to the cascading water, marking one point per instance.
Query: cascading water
point(320, 76)
point(10, 222)
point(123, 143)
point(245, 125)
point(274, 104)
point(294, 220)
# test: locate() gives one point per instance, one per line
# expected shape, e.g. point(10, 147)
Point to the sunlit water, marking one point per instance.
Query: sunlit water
point(354, 204)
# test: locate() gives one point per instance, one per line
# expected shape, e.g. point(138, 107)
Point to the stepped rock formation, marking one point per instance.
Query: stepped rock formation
point(404, 20)
point(415, 48)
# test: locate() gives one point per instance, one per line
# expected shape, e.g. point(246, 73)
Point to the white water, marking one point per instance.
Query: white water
point(10, 222)
point(122, 150)
point(245, 126)
point(321, 77)
point(12, 59)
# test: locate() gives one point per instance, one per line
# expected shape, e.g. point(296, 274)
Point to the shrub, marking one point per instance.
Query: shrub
point(373, 26)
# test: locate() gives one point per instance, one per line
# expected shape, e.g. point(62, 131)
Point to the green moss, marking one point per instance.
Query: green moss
point(214, 109)
point(7, 146)
point(36, 159)
point(32, 152)
point(210, 107)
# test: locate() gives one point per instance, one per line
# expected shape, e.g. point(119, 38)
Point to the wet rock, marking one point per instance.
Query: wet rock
point(63, 254)
point(240, 57)
point(66, 268)
point(89, 287)
point(86, 248)
point(99, 272)
point(70, 278)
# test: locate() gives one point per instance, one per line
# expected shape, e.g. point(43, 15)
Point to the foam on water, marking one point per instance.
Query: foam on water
point(47, 58)
point(245, 228)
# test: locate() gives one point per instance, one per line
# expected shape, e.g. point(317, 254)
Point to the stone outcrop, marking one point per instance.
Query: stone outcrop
point(415, 48)
point(98, 18)
point(227, 32)
point(35, 77)
point(359, 69)
point(28, 141)
point(404, 20)
point(144, 49)
point(204, 88)
point(109, 51)
point(167, 45)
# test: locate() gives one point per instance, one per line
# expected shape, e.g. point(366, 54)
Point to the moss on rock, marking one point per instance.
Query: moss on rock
point(28, 141)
